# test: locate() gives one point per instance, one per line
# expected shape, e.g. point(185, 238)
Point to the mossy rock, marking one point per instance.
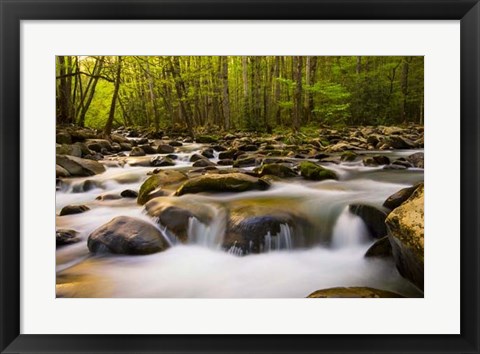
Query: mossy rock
point(206, 139)
point(245, 162)
point(312, 171)
point(162, 178)
point(275, 169)
point(406, 233)
point(175, 213)
point(221, 183)
point(348, 156)
point(353, 292)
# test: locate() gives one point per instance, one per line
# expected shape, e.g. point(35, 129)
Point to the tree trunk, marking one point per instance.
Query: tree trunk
point(298, 93)
point(226, 96)
point(404, 85)
point(90, 91)
point(359, 65)
point(246, 113)
point(108, 126)
point(180, 88)
point(276, 94)
point(153, 98)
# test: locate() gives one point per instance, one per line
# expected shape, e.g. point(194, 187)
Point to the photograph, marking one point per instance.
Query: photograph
point(239, 177)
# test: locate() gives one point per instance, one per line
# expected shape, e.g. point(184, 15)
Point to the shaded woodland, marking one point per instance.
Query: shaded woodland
point(250, 93)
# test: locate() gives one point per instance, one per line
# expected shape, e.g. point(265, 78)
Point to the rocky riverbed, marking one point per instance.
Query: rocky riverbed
point(337, 213)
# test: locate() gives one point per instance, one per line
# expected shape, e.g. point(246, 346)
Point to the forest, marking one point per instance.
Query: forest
point(239, 176)
point(247, 93)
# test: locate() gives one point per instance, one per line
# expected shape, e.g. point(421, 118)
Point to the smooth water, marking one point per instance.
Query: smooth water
point(332, 256)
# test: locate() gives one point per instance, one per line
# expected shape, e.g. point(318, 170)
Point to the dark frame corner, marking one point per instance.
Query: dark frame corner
point(13, 11)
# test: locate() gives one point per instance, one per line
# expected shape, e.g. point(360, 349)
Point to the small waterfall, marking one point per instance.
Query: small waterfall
point(349, 231)
point(210, 235)
point(171, 239)
point(234, 250)
point(280, 241)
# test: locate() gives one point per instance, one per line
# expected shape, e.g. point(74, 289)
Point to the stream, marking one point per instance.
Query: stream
point(289, 266)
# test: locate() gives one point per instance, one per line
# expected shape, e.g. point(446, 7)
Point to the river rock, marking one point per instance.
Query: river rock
point(93, 144)
point(256, 227)
point(129, 193)
point(312, 171)
point(398, 142)
point(63, 138)
point(77, 166)
point(165, 149)
point(61, 172)
point(203, 163)
point(277, 170)
point(148, 149)
point(206, 139)
point(196, 157)
point(160, 179)
point(381, 248)
point(406, 233)
point(348, 156)
point(225, 162)
point(159, 161)
point(127, 235)
point(66, 237)
point(396, 199)
point(220, 183)
point(72, 150)
point(353, 292)
point(208, 153)
point(229, 154)
point(175, 214)
point(373, 218)
point(246, 162)
point(417, 159)
point(73, 209)
point(373, 161)
point(137, 151)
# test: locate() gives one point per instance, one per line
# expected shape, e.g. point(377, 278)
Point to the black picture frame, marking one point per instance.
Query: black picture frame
point(14, 11)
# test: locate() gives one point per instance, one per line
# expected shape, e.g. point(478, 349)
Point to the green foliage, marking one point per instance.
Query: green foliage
point(332, 102)
point(255, 93)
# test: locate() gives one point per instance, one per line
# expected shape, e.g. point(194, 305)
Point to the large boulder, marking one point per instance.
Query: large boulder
point(221, 183)
point(160, 179)
point(373, 218)
point(406, 233)
point(77, 166)
point(262, 225)
point(127, 235)
point(312, 171)
point(353, 292)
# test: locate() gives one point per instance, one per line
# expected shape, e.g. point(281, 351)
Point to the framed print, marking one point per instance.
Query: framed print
point(239, 176)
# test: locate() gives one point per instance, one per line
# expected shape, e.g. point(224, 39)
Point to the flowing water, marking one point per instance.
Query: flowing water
point(290, 265)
